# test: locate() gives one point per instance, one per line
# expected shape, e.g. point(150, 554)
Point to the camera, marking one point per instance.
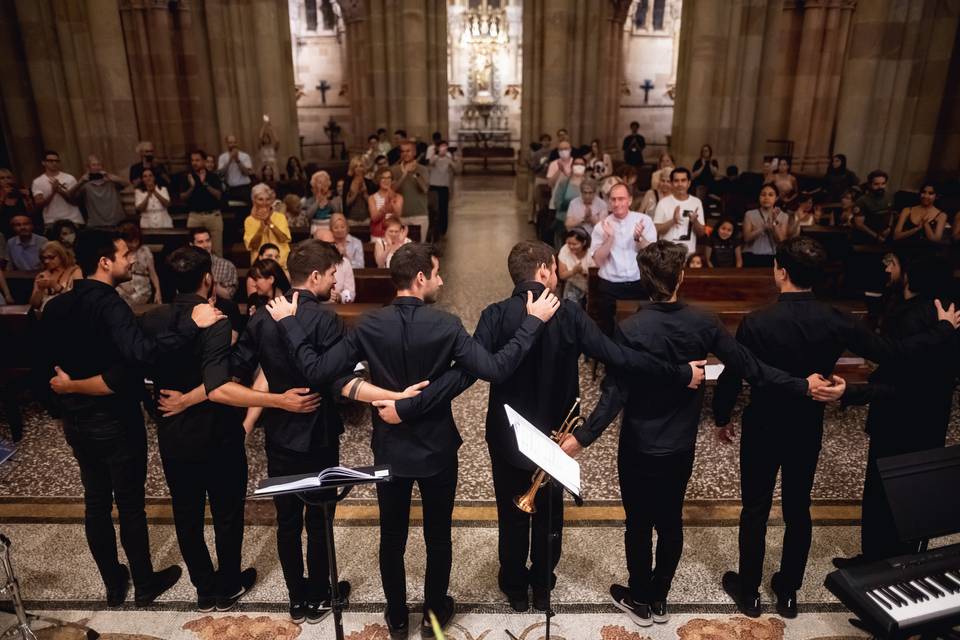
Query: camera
point(96, 175)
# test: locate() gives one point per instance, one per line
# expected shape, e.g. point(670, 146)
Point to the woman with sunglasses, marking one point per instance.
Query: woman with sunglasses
point(60, 270)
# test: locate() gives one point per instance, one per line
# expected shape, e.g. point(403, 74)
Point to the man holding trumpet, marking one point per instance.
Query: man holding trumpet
point(542, 389)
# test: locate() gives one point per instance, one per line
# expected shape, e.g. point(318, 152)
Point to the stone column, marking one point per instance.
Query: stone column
point(893, 86)
point(21, 127)
point(79, 77)
point(727, 63)
point(397, 61)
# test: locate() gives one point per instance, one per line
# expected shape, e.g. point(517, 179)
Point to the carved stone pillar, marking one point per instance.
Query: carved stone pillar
point(893, 86)
point(397, 61)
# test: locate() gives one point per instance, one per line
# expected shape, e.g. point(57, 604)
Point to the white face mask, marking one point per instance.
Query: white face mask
point(579, 169)
point(565, 153)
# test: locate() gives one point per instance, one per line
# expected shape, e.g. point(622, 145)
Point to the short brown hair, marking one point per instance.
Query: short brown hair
point(661, 264)
point(411, 259)
point(526, 257)
point(308, 256)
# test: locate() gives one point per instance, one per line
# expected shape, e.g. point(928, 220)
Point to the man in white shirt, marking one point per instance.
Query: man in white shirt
point(50, 192)
point(236, 167)
point(679, 217)
point(615, 243)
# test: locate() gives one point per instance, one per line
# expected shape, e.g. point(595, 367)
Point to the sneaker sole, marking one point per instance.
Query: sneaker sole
point(298, 620)
point(206, 609)
point(640, 622)
point(321, 618)
point(661, 619)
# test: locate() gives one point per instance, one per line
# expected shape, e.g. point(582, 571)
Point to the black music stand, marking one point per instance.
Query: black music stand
point(342, 487)
point(548, 480)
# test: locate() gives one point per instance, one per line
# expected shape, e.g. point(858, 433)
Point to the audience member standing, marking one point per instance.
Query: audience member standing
point(705, 172)
point(394, 152)
point(15, 200)
point(443, 165)
point(599, 162)
point(679, 217)
point(151, 201)
point(395, 236)
point(321, 203)
point(633, 146)
point(236, 167)
point(51, 192)
point(264, 225)
point(383, 203)
point(786, 182)
point(24, 247)
point(764, 228)
point(724, 248)
point(614, 247)
point(90, 339)
point(99, 191)
point(148, 160)
point(574, 263)
point(358, 189)
point(660, 188)
point(203, 196)
point(411, 180)
point(558, 172)
point(838, 178)
point(586, 210)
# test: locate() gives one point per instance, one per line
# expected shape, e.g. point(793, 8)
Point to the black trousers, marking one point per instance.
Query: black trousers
point(765, 450)
point(652, 488)
point(515, 545)
point(293, 514)
point(437, 493)
point(112, 454)
point(438, 226)
point(608, 293)
point(223, 477)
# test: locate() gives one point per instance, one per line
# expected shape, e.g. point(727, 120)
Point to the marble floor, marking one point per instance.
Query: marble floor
point(41, 512)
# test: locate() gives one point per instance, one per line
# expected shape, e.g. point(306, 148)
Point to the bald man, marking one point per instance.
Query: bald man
point(236, 167)
point(100, 193)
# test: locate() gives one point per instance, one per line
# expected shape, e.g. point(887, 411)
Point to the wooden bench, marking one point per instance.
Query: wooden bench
point(484, 155)
point(360, 232)
point(168, 239)
point(374, 286)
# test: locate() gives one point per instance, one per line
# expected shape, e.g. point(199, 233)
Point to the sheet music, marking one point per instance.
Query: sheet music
point(544, 452)
point(713, 371)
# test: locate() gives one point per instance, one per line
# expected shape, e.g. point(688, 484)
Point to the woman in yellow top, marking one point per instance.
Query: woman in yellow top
point(265, 225)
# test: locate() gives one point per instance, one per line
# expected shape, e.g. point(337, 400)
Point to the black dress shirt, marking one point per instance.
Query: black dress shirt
point(913, 389)
point(200, 199)
point(263, 343)
point(160, 173)
point(662, 419)
point(90, 331)
point(547, 382)
point(405, 343)
point(803, 336)
point(203, 428)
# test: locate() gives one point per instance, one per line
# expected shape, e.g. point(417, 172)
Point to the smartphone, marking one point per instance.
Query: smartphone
point(96, 176)
point(686, 233)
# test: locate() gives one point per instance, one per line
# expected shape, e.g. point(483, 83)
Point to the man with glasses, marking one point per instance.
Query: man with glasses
point(50, 192)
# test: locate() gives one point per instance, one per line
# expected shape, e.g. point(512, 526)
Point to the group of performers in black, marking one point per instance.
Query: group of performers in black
point(418, 359)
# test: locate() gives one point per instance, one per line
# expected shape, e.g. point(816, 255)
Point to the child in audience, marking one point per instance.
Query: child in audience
point(694, 261)
point(724, 247)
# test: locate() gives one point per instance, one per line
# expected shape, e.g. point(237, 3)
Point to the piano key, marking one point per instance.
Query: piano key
point(920, 584)
point(954, 574)
point(949, 577)
point(944, 583)
point(932, 588)
point(894, 596)
point(924, 595)
point(880, 599)
point(908, 592)
point(943, 608)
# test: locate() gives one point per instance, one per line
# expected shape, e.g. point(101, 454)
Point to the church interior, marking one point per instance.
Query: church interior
point(849, 108)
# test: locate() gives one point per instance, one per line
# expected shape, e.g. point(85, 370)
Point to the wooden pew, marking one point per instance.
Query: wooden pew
point(374, 286)
point(20, 284)
point(168, 239)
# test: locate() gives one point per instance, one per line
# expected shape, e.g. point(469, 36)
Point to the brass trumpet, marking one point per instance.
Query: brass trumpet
point(525, 502)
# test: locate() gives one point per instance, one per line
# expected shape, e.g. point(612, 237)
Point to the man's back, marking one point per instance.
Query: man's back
point(263, 342)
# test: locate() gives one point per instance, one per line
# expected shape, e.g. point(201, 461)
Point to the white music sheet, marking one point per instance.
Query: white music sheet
point(544, 452)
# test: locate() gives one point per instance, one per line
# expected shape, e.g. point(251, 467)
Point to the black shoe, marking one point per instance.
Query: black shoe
point(247, 579)
point(659, 611)
point(117, 594)
point(444, 617)
point(519, 603)
point(317, 611)
point(298, 612)
point(206, 604)
point(849, 563)
point(398, 625)
point(786, 598)
point(541, 599)
point(639, 612)
point(747, 604)
point(162, 580)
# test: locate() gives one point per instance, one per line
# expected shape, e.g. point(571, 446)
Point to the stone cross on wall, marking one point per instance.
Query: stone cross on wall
point(646, 86)
point(323, 87)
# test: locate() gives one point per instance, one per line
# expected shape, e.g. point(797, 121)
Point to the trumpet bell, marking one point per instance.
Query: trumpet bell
point(525, 503)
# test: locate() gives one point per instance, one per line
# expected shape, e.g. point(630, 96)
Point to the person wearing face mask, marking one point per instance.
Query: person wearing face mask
point(64, 232)
point(567, 190)
point(558, 171)
point(442, 165)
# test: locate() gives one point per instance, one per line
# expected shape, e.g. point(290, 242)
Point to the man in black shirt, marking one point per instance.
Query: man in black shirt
point(542, 389)
point(202, 195)
point(403, 343)
point(303, 442)
point(803, 337)
point(914, 389)
point(91, 338)
point(660, 423)
point(202, 445)
point(633, 146)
